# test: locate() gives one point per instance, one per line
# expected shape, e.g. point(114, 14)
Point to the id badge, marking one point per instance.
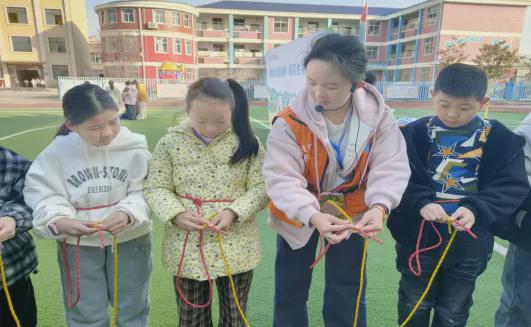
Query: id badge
point(327, 207)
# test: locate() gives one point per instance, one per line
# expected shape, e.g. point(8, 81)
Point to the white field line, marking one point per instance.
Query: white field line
point(26, 132)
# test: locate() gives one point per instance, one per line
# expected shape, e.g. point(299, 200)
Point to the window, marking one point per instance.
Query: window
point(239, 24)
point(217, 24)
point(178, 46)
point(428, 46)
point(21, 43)
point(218, 47)
point(372, 53)
point(17, 15)
point(101, 15)
point(175, 18)
point(59, 70)
point(431, 16)
point(188, 47)
point(56, 45)
point(186, 20)
point(111, 16)
point(95, 58)
point(112, 43)
point(53, 16)
point(161, 44)
point(159, 17)
point(239, 48)
point(425, 74)
point(373, 27)
point(129, 43)
point(281, 25)
point(128, 16)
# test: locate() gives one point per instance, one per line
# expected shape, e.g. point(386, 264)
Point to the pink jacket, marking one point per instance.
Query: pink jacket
point(387, 173)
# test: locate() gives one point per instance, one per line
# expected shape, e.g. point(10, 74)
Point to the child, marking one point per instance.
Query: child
point(204, 166)
point(86, 187)
point(464, 169)
point(515, 301)
point(129, 98)
point(16, 244)
point(336, 139)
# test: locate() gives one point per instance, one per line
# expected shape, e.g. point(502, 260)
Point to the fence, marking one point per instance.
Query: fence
point(158, 89)
point(257, 90)
point(420, 91)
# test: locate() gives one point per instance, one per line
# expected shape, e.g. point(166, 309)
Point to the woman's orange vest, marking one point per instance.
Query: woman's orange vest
point(353, 190)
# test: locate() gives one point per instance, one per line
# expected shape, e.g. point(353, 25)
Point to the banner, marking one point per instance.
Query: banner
point(286, 75)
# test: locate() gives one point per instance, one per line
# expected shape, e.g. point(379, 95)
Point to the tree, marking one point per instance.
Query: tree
point(453, 53)
point(497, 60)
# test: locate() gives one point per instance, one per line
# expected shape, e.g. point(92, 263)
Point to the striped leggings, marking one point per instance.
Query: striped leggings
point(197, 292)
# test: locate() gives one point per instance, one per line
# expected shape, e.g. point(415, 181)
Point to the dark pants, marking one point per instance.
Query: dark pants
point(515, 303)
point(450, 295)
point(342, 275)
point(23, 300)
point(197, 292)
point(130, 112)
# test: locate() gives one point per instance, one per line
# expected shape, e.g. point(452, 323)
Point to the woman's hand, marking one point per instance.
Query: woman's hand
point(434, 212)
point(332, 228)
point(7, 228)
point(371, 223)
point(465, 217)
point(222, 220)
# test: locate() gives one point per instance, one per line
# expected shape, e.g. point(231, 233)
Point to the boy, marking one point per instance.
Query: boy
point(463, 168)
point(516, 279)
point(18, 250)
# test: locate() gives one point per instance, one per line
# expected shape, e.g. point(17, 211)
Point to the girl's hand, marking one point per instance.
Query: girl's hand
point(115, 222)
point(465, 218)
point(434, 212)
point(372, 222)
point(190, 221)
point(223, 220)
point(332, 228)
point(7, 228)
point(73, 227)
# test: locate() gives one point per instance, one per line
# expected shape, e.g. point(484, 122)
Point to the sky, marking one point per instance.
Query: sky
point(93, 20)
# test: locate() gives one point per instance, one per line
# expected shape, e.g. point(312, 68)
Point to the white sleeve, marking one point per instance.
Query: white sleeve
point(45, 193)
point(134, 202)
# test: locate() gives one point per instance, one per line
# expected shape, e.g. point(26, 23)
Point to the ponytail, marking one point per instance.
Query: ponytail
point(63, 130)
point(241, 125)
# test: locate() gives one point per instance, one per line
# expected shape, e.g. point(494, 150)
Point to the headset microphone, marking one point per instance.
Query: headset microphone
point(319, 108)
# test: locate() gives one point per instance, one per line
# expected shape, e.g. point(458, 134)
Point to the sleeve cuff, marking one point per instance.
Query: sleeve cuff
point(305, 214)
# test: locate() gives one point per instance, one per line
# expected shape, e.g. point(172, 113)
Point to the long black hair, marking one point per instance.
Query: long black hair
point(83, 102)
point(233, 93)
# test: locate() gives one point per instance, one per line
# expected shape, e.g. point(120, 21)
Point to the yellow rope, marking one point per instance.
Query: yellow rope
point(115, 255)
point(363, 262)
point(229, 274)
point(432, 277)
point(362, 274)
point(8, 296)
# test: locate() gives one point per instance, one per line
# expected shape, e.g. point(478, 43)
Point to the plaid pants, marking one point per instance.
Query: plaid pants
point(197, 292)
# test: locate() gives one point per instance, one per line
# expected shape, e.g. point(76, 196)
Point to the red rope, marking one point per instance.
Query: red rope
point(198, 203)
point(67, 272)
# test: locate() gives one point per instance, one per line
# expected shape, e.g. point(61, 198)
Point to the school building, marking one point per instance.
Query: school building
point(230, 38)
point(42, 39)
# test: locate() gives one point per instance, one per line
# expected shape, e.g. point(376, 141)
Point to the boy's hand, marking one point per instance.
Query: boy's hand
point(73, 227)
point(434, 212)
point(115, 222)
point(190, 221)
point(372, 222)
point(7, 228)
point(332, 228)
point(223, 220)
point(465, 217)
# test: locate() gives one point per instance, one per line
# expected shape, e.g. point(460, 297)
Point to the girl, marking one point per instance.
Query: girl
point(209, 168)
point(85, 189)
point(337, 140)
point(16, 244)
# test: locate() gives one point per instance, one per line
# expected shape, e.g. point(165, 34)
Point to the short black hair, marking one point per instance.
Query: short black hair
point(345, 51)
point(462, 81)
point(370, 78)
